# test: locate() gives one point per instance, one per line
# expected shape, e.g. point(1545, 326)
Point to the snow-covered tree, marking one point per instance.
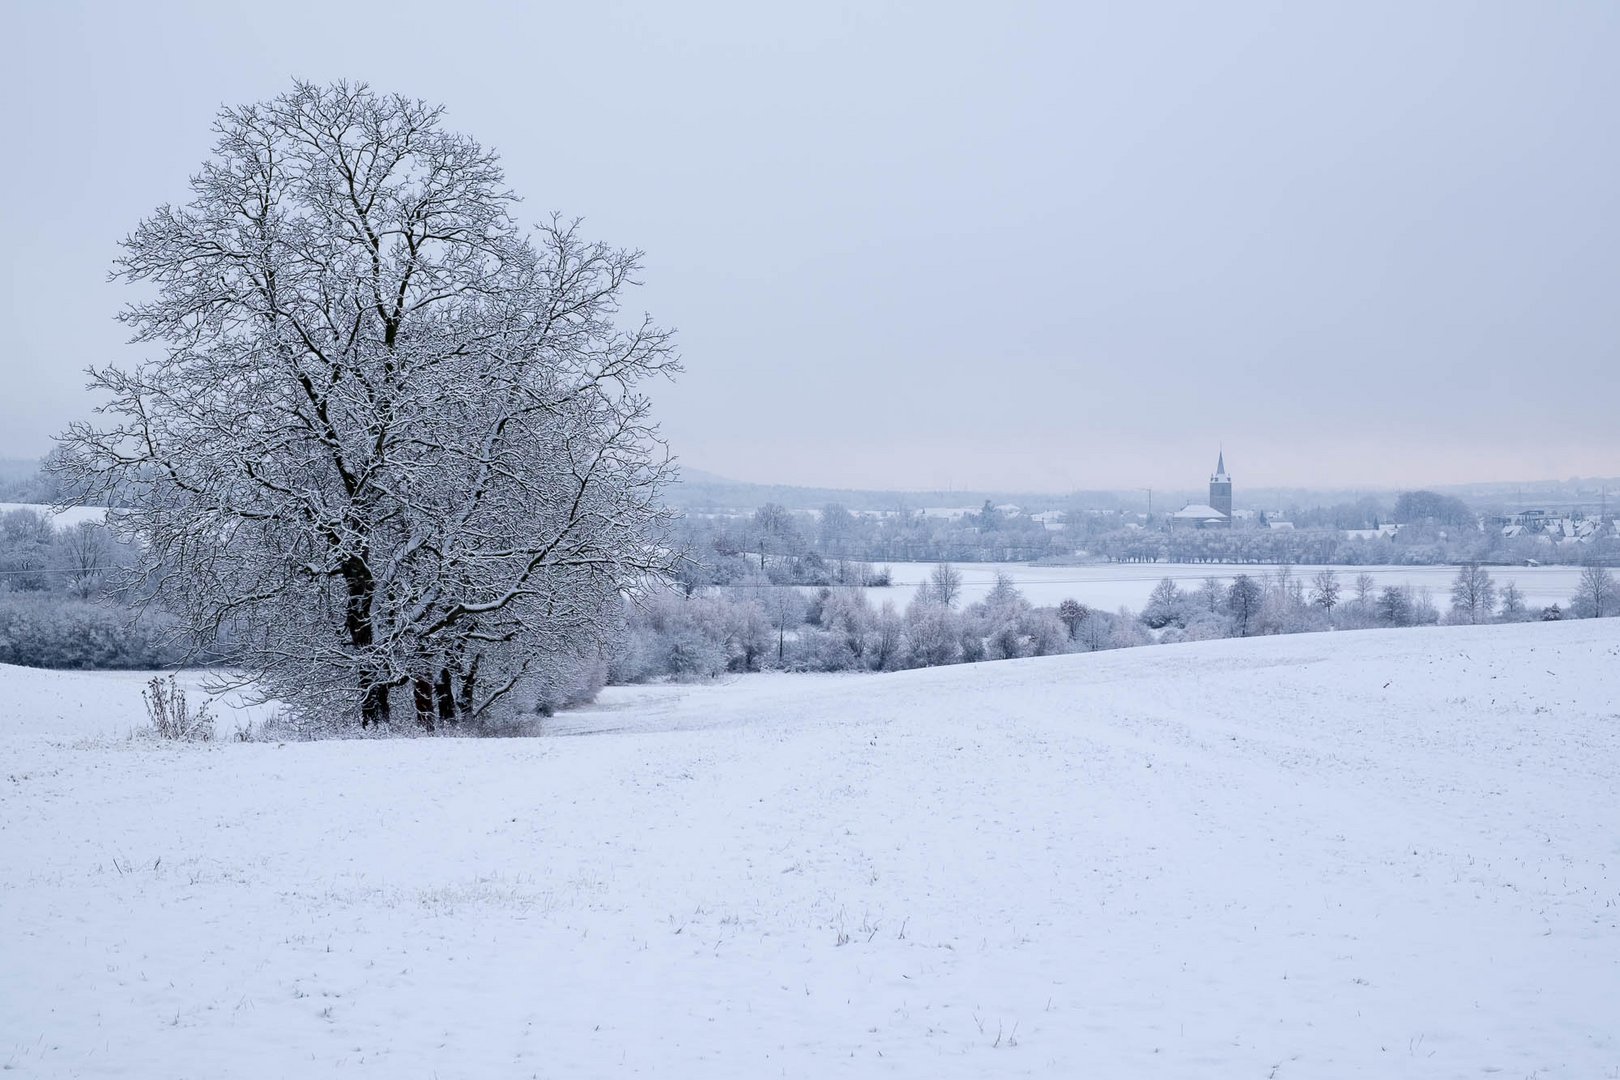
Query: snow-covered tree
point(1364, 589)
point(1325, 589)
point(84, 555)
point(776, 531)
point(1596, 595)
point(392, 439)
point(1243, 599)
point(945, 585)
point(1473, 594)
point(1167, 605)
point(1395, 606)
point(1097, 631)
point(784, 612)
point(888, 638)
point(1513, 607)
point(26, 538)
point(1072, 613)
point(933, 632)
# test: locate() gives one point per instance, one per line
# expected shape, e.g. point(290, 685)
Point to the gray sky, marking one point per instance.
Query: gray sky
point(1038, 246)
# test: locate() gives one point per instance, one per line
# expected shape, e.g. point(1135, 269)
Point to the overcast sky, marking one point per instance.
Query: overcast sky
point(1041, 246)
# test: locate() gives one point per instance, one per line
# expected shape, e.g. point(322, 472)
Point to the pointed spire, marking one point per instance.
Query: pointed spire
point(1220, 463)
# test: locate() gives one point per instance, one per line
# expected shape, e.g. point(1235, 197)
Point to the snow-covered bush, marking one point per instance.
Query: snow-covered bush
point(1128, 632)
point(46, 630)
point(1596, 594)
point(933, 634)
point(821, 650)
point(1167, 606)
point(670, 635)
point(1207, 626)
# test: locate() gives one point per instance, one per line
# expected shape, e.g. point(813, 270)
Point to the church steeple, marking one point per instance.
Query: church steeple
point(1220, 488)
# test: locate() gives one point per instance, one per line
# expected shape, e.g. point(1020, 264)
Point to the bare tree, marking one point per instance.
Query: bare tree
point(776, 529)
point(836, 526)
point(1364, 589)
point(388, 438)
point(84, 553)
point(1097, 631)
point(784, 610)
point(945, 585)
point(1473, 594)
point(1513, 606)
point(1325, 589)
point(1595, 594)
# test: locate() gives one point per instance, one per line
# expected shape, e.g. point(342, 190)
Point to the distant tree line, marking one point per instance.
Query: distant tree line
point(1412, 545)
point(56, 604)
point(764, 626)
point(783, 542)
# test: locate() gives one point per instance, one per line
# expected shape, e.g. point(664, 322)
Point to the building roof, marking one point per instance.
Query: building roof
point(1196, 512)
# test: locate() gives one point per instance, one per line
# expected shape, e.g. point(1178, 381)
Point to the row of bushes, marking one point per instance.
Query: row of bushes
point(55, 631)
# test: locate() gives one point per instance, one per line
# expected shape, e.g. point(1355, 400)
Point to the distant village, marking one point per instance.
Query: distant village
point(1216, 530)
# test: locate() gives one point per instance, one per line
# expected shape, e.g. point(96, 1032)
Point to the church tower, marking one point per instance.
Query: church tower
point(1220, 489)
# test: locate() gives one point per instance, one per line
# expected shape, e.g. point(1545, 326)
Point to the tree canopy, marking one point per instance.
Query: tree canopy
point(384, 435)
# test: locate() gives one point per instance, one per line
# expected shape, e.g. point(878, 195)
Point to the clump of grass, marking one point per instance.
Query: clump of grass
point(171, 718)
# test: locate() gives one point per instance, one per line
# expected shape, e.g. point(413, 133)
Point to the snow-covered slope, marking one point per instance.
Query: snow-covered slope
point(1375, 854)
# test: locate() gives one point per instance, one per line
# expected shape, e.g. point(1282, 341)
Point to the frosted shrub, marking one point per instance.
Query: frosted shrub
point(170, 717)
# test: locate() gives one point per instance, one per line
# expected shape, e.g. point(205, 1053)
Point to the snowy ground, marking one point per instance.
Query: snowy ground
point(1388, 853)
point(1113, 585)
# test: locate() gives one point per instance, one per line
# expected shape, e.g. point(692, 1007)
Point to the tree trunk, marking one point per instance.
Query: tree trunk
point(422, 693)
point(464, 702)
point(445, 697)
point(373, 703)
point(357, 623)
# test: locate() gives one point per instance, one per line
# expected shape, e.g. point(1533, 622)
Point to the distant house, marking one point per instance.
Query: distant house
point(1548, 529)
point(1527, 520)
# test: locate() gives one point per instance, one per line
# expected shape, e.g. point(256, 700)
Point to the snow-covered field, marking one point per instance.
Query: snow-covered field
point(1112, 585)
point(1375, 854)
